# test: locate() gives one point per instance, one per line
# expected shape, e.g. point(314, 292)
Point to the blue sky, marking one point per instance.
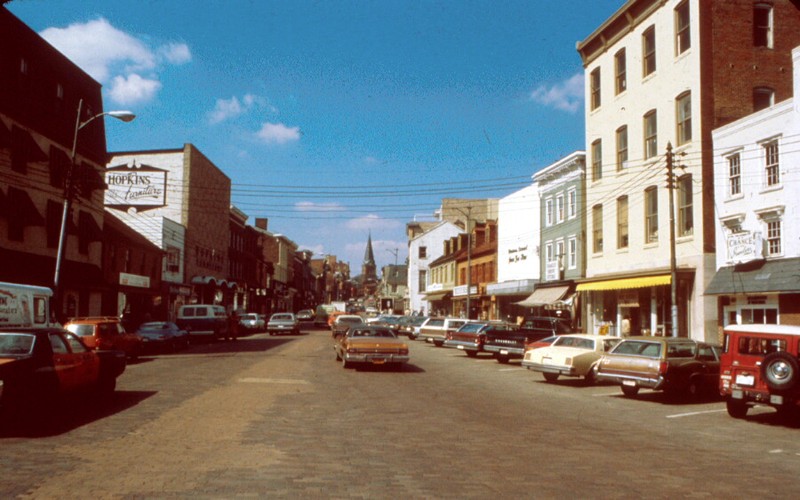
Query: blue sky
point(335, 119)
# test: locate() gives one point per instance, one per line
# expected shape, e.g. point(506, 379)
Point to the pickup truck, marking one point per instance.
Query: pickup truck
point(435, 329)
point(672, 364)
point(509, 344)
point(471, 336)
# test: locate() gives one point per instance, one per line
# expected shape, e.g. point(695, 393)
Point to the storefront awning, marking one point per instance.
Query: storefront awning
point(434, 296)
point(625, 283)
point(782, 275)
point(544, 296)
point(513, 287)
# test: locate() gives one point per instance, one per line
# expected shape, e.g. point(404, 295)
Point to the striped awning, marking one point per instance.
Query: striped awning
point(625, 283)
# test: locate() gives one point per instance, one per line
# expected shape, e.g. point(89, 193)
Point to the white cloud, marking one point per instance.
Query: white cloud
point(133, 89)
point(113, 57)
point(278, 133)
point(310, 206)
point(371, 222)
point(317, 249)
point(230, 108)
point(566, 96)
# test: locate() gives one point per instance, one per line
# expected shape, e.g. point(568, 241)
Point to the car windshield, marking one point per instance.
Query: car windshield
point(281, 317)
point(249, 317)
point(371, 333)
point(576, 342)
point(16, 343)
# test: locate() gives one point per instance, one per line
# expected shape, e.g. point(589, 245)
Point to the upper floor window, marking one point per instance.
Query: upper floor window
point(683, 110)
point(423, 280)
point(572, 256)
point(734, 175)
point(763, 98)
point(620, 79)
point(649, 51)
point(762, 25)
point(572, 203)
point(549, 215)
point(594, 80)
point(772, 164)
point(549, 254)
point(423, 252)
point(774, 238)
point(597, 160)
point(622, 222)
point(683, 39)
point(622, 147)
point(685, 201)
point(560, 208)
point(597, 228)
point(651, 215)
point(650, 135)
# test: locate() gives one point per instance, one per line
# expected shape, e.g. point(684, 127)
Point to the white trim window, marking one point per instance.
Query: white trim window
point(771, 164)
point(774, 246)
point(572, 203)
point(650, 134)
point(549, 215)
point(560, 253)
point(651, 215)
point(685, 206)
point(683, 111)
point(560, 208)
point(594, 82)
point(572, 252)
point(597, 228)
point(734, 175)
point(620, 70)
point(762, 25)
point(683, 38)
point(622, 148)
point(549, 255)
point(649, 51)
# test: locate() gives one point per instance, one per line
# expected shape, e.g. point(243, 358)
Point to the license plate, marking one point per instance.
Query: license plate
point(631, 383)
point(504, 351)
point(745, 379)
point(460, 347)
point(378, 361)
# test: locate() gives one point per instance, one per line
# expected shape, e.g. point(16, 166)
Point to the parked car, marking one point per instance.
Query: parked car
point(305, 315)
point(409, 325)
point(760, 365)
point(43, 366)
point(343, 322)
point(368, 344)
point(390, 321)
point(251, 323)
point(162, 336)
point(435, 329)
point(506, 345)
point(332, 317)
point(203, 321)
point(283, 323)
point(571, 355)
point(672, 364)
point(103, 333)
point(535, 344)
point(471, 336)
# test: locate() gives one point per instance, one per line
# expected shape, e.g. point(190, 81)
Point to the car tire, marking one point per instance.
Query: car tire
point(694, 389)
point(502, 359)
point(630, 391)
point(591, 376)
point(438, 343)
point(472, 354)
point(780, 371)
point(736, 408)
point(550, 377)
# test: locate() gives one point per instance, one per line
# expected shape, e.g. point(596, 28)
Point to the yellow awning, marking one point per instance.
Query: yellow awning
point(625, 283)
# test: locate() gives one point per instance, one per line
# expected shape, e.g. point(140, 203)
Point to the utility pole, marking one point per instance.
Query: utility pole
point(469, 257)
point(673, 266)
point(394, 252)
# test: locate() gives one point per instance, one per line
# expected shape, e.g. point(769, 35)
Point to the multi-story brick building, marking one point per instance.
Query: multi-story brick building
point(41, 95)
point(476, 268)
point(657, 73)
point(152, 191)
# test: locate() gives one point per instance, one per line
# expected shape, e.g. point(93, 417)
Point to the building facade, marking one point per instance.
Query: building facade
point(424, 248)
point(661, 74)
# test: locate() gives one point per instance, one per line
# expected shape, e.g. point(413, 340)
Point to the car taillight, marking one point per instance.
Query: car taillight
point(662, 369)
point(404, 352)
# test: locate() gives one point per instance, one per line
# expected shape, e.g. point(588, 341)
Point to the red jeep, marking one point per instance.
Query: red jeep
point(760, 365)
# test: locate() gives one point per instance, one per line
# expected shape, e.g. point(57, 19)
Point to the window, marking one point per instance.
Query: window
point(622, 147)
point(423, 276)
point(622, 222)
point(774, 238)
point(683, 110)
point(423, 252)
point(734, 175)
point(649, 51)
point(597, 231)
point(597, 160)
point(651, 215)
point(549, 255)
point(683, 38)
point(773, 175)
point(763, 98)
point(560, 208)
point(572, 203)
point(650, 135)
point(549, 216)
point(685, 200)
point(619, 78)
point(560, 252)
point(572, 256)
point(594, 80)
point(762, 25)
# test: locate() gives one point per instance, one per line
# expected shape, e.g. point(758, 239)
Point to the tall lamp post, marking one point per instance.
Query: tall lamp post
point(125, 116)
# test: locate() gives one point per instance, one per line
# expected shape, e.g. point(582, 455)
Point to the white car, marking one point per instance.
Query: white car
point(251, 322)
point(283, 323)
point(570, 355)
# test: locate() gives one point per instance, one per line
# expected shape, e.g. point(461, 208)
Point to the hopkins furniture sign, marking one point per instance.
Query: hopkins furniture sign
point(143, 187)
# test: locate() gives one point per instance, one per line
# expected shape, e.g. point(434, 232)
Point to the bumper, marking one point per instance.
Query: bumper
point(631, 380)
point(559, 369)
point(376, 359)
point(513, 352)
point(282, 328)
point(463, 345)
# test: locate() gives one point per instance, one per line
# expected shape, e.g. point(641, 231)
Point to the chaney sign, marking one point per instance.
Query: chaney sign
point(143, 187)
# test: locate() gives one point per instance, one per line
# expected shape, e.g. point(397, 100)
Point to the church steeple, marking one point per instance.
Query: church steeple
point(369, 257)
point(369, 271)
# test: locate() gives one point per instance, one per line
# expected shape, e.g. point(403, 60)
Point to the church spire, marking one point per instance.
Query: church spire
point(369, 257)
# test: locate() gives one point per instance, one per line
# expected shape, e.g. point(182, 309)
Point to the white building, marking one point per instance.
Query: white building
point(756, 187)
point(424, 248)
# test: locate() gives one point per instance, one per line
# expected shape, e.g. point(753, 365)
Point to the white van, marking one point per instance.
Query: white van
point(204, 320)
point(24, 306)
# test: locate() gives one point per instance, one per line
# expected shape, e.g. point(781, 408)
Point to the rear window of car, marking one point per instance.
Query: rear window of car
point(435, 322)
point(638, 348)
point(576, 342)
point(351, 321)
point(684, 350)
point(457, 324)
point(147, 327)
point(81, 330)
point(759, 346)
point(16, 343)
point(281, 317)
point(472, 327)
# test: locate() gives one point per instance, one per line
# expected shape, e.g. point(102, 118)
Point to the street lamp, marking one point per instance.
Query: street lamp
point(125, 116)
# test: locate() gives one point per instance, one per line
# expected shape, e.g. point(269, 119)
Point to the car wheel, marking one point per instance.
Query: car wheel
point(345, 363)
point(471, 354)
point(502, 359)
point(591, 376)
point(438, 343)
point(630, 390)
point(736, 408)
point(550, 377)
point(693, 388)
point(780, 371)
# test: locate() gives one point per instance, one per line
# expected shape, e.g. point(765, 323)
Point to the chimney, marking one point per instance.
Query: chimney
point(262, 223)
